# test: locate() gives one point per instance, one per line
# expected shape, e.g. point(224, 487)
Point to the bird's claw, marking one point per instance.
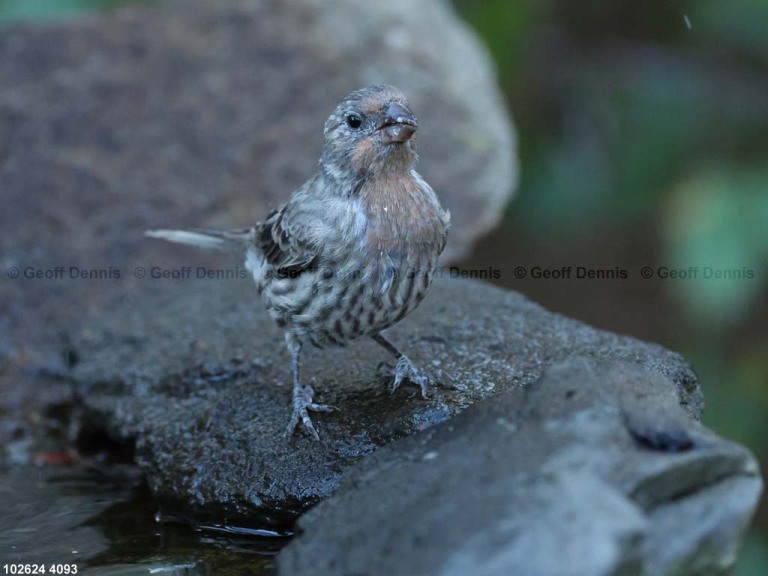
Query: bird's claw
point(405, 370)
point(302, 403)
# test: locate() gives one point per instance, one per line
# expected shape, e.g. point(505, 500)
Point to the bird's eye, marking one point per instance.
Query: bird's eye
point(354, 121)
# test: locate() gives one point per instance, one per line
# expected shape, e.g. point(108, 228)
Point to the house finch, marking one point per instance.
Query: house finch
point(354, 249)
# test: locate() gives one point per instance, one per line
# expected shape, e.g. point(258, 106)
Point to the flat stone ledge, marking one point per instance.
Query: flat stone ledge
point(198, 379)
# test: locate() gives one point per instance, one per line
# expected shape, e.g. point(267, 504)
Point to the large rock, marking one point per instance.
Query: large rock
point(194, 377)
point(552, 448)
point(592, 470)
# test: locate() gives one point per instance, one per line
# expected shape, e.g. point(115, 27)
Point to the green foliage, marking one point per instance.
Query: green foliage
point(737, 23)
point(621, 144)
point(504, 26)
point(716, 221)
point(753, 558)
point(737, 404)
point(22, 10)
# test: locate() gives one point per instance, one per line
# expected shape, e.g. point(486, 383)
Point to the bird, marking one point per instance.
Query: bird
point(354, 249)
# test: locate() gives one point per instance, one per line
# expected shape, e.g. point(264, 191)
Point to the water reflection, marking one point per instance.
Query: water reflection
point(105, 521)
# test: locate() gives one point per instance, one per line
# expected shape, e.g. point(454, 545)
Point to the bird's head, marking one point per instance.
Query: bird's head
point(371, 128)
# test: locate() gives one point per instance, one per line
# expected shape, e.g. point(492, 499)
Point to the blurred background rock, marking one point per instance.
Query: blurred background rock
point(643, 139)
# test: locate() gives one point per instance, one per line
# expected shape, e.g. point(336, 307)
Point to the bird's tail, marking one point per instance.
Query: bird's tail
point(212, 239)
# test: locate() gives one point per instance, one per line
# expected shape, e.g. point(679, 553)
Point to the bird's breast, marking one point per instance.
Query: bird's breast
point(401, 213)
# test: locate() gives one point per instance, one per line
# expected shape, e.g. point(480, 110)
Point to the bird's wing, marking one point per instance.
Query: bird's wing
point(284, 240)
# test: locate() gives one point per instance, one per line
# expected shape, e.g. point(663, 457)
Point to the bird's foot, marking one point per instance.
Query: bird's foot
point(405, 370)
point(302, 403)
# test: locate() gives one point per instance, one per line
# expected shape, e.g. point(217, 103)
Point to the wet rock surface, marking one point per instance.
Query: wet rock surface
point(553, 478)
point(200, 379)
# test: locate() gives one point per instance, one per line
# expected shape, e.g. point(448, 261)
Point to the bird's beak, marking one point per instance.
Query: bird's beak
point(397, 124)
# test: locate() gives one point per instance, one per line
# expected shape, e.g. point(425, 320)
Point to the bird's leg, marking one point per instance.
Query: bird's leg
point(302, 395)
point(404, 368)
